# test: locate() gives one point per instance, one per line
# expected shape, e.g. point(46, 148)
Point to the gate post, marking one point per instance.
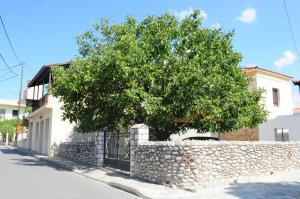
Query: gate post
point(6, 139)
point(139, 133)
point(100, 148)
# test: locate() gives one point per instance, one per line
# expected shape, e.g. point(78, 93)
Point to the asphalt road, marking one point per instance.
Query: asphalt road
point(23, 177)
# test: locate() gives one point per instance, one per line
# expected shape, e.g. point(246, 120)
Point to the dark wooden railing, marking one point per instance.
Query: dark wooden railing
point(36, 104)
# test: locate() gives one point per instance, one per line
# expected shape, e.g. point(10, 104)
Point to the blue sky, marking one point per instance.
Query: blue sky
point(45, 32)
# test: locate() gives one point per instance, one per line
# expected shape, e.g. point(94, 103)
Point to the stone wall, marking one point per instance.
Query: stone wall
point(83, 152)
point(190, 164)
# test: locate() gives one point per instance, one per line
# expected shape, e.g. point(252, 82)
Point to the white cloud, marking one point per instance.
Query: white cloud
point(296, 99)
point(247, 16)
point(185, 13)
point(288, 58)
point(216, 26)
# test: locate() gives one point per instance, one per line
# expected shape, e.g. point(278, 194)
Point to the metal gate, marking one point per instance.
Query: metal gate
point(117, 150)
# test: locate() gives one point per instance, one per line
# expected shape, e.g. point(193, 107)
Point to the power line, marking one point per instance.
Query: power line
point(290, 27)
point(2, 80)
point(10, 67)
point(20, 6)
point(7, 65)
point(4, 75)
point(11, 46)
point(14, 52)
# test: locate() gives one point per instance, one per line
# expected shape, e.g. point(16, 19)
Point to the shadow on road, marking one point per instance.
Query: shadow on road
point(24, 158)
point(10, 151)
point(21, 158)
point(259, 190)
point(33, 162)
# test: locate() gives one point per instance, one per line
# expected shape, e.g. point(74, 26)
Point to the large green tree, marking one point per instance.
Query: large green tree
point(167, 73)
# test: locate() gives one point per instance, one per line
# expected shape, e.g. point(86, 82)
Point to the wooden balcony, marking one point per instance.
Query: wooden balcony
point(36, 104)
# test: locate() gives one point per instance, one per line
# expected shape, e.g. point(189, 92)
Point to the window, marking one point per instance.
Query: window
point(15, 113)
point(282, 134)
point(2, 114)
point(46, 89)
point(275, 92)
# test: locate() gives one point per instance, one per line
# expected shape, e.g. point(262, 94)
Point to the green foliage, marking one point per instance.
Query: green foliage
point(154, 71)
point(9, 126)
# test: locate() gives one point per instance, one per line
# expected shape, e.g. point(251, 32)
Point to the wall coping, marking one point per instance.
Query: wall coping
point(77, 143)
point(139, 126)
point(217, 143)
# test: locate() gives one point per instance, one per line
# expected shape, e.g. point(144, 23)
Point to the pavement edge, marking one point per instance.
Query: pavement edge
point(57, 163)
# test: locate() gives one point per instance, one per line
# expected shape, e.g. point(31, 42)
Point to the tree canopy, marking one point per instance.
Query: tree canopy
point(9, 126)
point(167, 73)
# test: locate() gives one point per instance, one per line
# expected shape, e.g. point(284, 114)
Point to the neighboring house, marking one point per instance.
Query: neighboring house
point(297, 109)
point(281, 124)
point(278, 98)
point(47, 130)
point(9, 109)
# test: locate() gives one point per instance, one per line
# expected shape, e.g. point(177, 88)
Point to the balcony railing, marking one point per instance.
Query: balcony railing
point(36, 104)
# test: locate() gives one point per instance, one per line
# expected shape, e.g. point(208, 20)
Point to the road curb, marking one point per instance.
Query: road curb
point(127, 189)
point(59, 164)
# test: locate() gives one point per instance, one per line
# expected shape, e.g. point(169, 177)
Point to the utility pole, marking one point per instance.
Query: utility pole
point(20, 97)
point(21, 88)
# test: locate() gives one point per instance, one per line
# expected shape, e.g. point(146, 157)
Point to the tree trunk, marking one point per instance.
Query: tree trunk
point(159, 135)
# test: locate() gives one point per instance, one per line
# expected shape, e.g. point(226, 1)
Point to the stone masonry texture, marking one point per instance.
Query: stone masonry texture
point(190, 164)
point(83, 152)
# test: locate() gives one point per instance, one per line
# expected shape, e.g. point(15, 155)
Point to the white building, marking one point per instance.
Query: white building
point(282, 123)
point(278, 98)
point(9, 109)
point(47, 129)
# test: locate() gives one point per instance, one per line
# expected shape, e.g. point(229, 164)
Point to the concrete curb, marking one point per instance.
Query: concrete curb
point(59, 164)
point(127, 189)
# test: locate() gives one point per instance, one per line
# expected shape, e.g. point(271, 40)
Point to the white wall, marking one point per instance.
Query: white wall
point(9, 109)
point(279, 116)
point(37, 117)
point(285, 95)
point(79, 137)
point(22, 140)
point(290, 122)
point(61, 130)
point(52, 130)
point(38, 92)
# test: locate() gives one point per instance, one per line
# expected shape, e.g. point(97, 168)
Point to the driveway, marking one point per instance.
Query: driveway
point(23, 177)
